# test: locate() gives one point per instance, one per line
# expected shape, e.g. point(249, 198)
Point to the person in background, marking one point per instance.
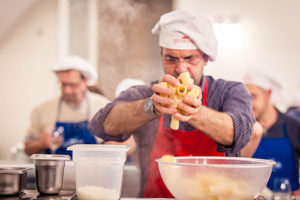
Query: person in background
point(281, 133)
point(63, 120)
point(294, 104)
point(217, 123)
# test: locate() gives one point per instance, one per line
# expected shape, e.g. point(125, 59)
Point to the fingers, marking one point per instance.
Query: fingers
point(170, 79)
point(188, 108)
point(162, 104)
point(159, 89)
point(46, 139)
point(164, 109)
point(188, 101)
point(163, 98)
point(183, 118)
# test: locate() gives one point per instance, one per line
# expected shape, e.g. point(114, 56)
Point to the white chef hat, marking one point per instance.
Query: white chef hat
point(74, 62)
point(266, 82)
point(127, 83)
point(292, 97)
point(184, 30)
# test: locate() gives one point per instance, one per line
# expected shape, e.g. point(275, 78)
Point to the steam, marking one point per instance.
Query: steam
point(119, 24)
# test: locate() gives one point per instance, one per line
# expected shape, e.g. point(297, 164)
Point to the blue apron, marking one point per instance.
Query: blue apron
point(280, 150)
point(73, 133)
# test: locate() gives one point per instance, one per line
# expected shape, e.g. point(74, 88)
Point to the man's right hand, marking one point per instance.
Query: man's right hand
point(161, 102)
point(45, 140)
point(38, 145)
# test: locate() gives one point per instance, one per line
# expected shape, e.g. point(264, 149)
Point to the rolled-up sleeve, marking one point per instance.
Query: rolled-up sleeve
point(237, 102)
point(96, 125)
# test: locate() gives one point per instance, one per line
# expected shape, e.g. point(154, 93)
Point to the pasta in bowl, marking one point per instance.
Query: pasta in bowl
point(214, 178)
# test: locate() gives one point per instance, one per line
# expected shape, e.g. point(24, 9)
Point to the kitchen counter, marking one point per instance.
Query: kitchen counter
point(130, 185)
point(63, 195)
point(34, 195)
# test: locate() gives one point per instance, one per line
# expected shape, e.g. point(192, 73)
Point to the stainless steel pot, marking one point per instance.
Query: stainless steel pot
point(49, 171)
point(12, 180)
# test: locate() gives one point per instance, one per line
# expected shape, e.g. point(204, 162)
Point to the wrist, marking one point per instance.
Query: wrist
point(149, 108)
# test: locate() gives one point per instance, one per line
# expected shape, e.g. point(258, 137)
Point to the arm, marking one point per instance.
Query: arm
point(38, 145)
point(126, 117)
point(125, 113)
point(252, 145)
point(216, 125)
point(38, 137)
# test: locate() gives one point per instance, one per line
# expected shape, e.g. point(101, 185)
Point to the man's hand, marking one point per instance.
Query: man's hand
point(38, 145)
point(46, 140)
point(163, 103)
point(160, 98)
point(188, 108)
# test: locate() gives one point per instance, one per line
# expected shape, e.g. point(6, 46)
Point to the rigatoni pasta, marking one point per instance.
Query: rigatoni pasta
point(178, 93)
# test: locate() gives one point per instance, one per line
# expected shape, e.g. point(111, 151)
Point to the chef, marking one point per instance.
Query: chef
point(280, 139)
point(63, 120)
point(217, 123)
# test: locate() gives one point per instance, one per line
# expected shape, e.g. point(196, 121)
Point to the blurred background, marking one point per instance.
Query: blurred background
point(115, 36)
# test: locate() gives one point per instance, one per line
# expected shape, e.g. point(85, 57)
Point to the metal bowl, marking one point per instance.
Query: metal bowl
point(205, 178)
point(12, 180)
point(49, 170)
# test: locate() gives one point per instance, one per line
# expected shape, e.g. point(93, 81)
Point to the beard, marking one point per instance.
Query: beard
point(73, 98)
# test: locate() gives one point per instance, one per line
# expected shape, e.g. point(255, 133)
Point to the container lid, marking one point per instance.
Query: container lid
point(98, 147)
point(49, 157)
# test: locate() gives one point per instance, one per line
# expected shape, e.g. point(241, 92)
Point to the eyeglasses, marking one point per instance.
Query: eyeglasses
point(71, 85)
point(192, 60)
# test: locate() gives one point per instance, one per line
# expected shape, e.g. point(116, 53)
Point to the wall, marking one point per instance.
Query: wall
point(127, 49)
point(271, 42)
point(26, 54)
point(271, 38)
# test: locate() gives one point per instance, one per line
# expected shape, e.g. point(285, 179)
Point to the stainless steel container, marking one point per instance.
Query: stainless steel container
point(12, 180)
point(49, 171)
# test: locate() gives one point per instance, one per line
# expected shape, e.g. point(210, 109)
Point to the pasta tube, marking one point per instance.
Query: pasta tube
point(177, 100)
point(178, 93)
point(185, 78)
point(181, 90)
point(194, 93)
point(168, 158)
point(174, 124)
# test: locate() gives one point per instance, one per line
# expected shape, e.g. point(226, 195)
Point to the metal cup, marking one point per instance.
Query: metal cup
point(49, 171)
point(12, 180)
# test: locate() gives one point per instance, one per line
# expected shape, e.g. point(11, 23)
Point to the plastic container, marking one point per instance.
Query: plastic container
point(99, 170)
point(204, 178)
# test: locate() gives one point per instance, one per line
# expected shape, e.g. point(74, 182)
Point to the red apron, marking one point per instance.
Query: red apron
point(177, 143)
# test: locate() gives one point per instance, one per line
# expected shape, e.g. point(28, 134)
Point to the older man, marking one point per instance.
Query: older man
point(63, 121)
point(217, 123)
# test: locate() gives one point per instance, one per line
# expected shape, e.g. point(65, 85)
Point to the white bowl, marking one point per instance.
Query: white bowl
point(215, 178)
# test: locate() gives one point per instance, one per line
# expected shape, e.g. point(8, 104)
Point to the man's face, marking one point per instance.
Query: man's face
point(261, 99)
point(176, 62)
point(73, 86)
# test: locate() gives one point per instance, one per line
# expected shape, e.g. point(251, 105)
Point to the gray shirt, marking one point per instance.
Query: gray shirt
point(224, 96)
